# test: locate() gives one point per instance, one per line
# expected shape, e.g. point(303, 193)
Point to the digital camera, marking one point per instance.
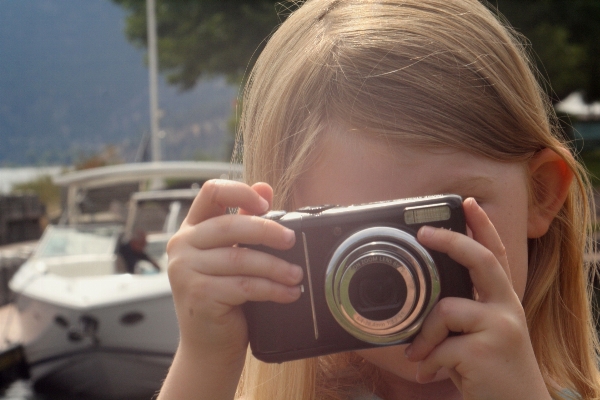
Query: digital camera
point(367, 280)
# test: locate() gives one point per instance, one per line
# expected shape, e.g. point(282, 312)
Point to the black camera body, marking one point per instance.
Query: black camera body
point(367, 281)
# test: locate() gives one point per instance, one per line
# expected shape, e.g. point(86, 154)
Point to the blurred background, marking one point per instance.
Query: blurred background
point(74, 77)
point(76, 92)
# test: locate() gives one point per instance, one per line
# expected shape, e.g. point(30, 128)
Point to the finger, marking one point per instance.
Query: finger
point(231, 229)
point(238, 261)
point(236, 290)
point(451, 314)
point(265, 191)
point(484, 232)
point(456, 379)
point(488, 276)
point(218, 194)
point(446, 355)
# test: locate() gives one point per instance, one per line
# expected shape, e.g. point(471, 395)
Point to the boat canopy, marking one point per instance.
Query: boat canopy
point(136, 172)
point(90, 191)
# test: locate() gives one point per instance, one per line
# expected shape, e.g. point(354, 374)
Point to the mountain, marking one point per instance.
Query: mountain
point(71, 84)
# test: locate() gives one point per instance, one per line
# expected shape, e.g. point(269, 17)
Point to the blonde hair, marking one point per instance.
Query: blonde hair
point(424, 72)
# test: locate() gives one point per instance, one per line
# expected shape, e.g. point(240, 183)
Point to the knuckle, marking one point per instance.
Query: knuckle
point(178, 272)
point(508, 334)
point(236, 256)
point(174, 242)
point(451, 239)
point(510, 326)
point(479, 348)
point(246, 285)
point(199, 291)
point(208, 188)
point(210, 191)
point(420, 341)
point(196, 289)
point(274, 266)
point(264, 229)
point(173, 272)
point(175, 267)
point(224, 225)
point(489, 258)
point(445, 308)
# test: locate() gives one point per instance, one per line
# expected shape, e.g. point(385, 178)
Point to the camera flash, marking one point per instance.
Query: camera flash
point(425, 214)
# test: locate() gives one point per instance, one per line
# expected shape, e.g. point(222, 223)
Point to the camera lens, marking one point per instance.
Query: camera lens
point(380, 283)
point(377, 292)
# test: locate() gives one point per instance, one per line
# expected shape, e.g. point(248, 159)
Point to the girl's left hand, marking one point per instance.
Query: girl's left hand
point(493, 357)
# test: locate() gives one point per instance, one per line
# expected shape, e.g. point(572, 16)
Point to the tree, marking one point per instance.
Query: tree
point(110, 155)
point(47, 192)
point(565, 41)
point(202, 38)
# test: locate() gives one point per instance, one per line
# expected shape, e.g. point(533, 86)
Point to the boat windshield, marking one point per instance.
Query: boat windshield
point(72, 240)
point(160, 215)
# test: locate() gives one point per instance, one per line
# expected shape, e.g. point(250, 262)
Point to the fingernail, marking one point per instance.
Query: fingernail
point(296, 272)
point(408, 351)
point(264, 205)
point(294, 292)
point(473, 202)
point(289, 236)
point(426, 231)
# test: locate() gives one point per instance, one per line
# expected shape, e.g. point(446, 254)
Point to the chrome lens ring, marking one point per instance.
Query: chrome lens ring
point(382, 253)
point(399, 250)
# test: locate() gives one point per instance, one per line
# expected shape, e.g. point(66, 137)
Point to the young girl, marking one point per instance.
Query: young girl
point(354, 101)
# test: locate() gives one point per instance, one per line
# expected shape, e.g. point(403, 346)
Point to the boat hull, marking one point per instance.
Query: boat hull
point(118, 351)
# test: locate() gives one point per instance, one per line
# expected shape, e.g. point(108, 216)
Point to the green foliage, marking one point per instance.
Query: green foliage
point(591, 160)
point(109, 155)
point(201, 155)
point(564, 38)
point(47, 192)
point(203, 38)
point(559, 59)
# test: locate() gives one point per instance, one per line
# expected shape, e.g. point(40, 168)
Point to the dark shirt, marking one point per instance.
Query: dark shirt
point(131, 257)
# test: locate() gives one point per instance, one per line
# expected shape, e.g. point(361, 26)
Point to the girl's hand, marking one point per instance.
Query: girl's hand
point(493, 357)
point(211, 278)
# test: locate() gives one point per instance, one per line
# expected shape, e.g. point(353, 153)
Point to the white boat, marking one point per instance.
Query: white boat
point(88, 329)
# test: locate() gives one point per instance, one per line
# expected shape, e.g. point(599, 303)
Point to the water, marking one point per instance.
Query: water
point(22, 390)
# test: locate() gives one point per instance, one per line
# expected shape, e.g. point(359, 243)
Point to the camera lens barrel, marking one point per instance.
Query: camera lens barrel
point(381, 284)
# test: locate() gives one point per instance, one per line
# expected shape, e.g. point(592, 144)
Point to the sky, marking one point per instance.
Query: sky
point(71, 83)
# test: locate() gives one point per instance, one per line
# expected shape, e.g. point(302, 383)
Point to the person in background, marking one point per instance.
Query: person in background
point(133, 251)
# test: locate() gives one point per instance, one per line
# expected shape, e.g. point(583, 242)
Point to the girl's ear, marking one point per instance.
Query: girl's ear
point(550, 181)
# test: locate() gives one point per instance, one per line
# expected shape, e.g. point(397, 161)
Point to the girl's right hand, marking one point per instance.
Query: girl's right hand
point(211, 277)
